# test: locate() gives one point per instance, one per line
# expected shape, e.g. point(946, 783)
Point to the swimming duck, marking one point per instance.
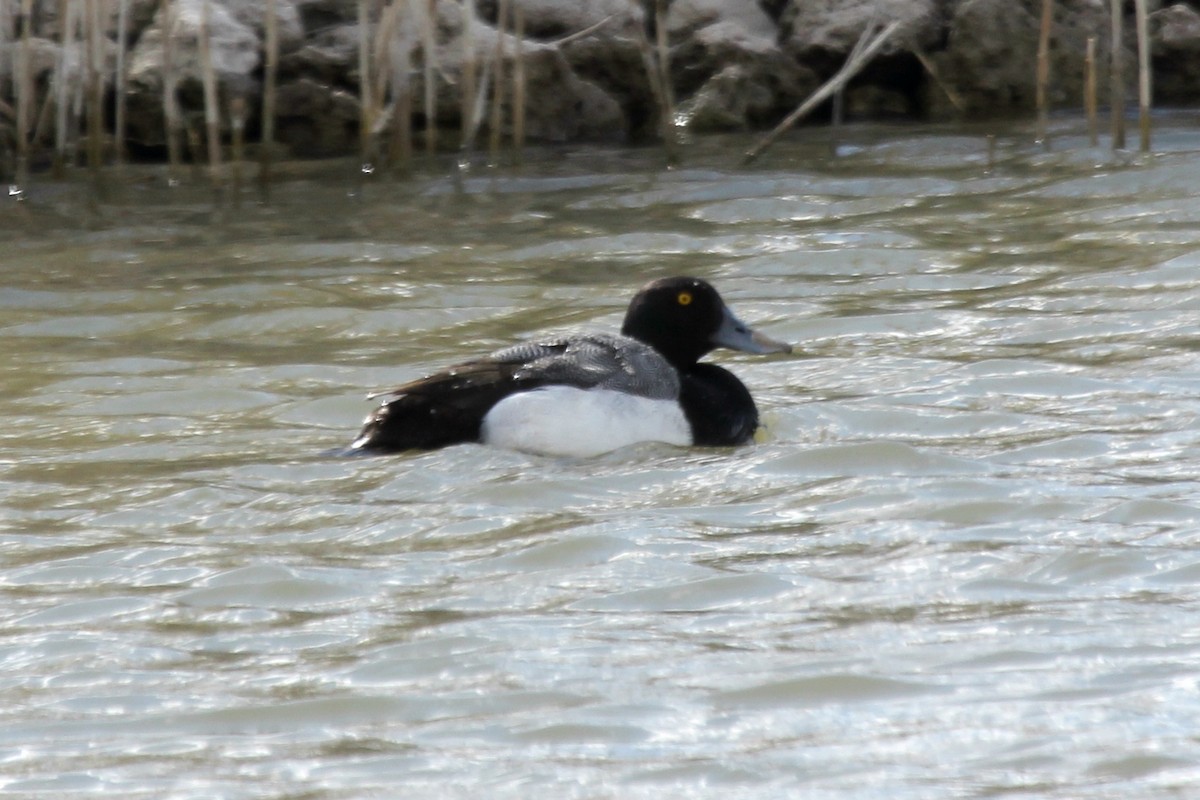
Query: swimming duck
point(585, 394)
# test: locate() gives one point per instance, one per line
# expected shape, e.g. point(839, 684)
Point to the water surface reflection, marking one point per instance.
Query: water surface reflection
point(962, 564)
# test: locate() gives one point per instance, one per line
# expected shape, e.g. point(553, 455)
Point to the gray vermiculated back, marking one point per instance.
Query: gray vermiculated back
point(596, 360)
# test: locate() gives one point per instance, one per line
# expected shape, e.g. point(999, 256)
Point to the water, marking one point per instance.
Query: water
point(961, 564)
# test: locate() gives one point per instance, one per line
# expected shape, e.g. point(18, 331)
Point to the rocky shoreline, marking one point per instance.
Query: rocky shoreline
point(592, 69)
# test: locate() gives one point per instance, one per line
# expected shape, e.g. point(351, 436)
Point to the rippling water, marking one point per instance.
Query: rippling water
point(963, 563)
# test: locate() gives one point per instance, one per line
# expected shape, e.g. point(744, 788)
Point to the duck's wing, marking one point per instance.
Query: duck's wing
point(448, 407)
point(595, 361)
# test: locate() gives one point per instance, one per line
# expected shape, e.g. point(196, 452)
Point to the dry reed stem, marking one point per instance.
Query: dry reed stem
point(655, 80)
point(670, 142)
point(120, 80)
point(477, 81)
point(1089, 91)
point(588, 31)
point(24, 91)
point(518, 131)
point(499, 53)
point(400, 150)
point(838, 112)
point(7, 36)
point(380, 55)
point(932, 69)
point(270, 79)
point(402, 132)
point(429, 59)
point(1043, 70)
point(67, 13)
point(196, 150)
point(42, 120)
point(848, 71)
point(237, 119)
point(1143, 40)
point(171, 112)
point(1116, 86)
point(95, 102)
point(366, 121)
point(212, 113)
point(470, 71)
point(475, 121)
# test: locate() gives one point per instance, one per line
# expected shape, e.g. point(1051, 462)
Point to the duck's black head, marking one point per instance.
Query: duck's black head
point(685, 318)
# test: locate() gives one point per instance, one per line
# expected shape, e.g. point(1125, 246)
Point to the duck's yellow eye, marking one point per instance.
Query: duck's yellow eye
point(684, 298)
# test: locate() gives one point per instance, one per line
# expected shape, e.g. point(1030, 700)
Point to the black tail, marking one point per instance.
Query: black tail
point(414, 422)
point(442, 409)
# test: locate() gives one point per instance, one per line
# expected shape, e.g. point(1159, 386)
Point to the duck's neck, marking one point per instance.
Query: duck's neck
point(718, 407)
point(679, 351)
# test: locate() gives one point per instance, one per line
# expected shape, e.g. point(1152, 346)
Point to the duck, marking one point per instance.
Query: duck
point(585, 394)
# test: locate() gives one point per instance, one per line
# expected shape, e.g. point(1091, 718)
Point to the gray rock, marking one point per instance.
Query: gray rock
point(316, 119)
point(235, 46)
point(688, 16)
point(822, 34)
point(329, 55)
point(730, 69)
point(1175, 30)
point(615, 66)
point(990, 57)
point(235, 50)
point(555, 19)
point(824, 28)
point(1175, 45)
point(253, 14)
point(735, 64)
point(560, 104)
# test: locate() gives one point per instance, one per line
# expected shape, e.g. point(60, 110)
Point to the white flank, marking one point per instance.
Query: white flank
point(565, 421)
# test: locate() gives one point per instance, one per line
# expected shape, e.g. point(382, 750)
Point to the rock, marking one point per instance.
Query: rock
point(990, 55)
point(735, 64)
point(1073, 24)
point(139, 15)
point(1175, 45)
point(729, 100)
point(616, 67)
point(549, 20)
point(560, 105)
point(235, 47)
point(822, 34)
point(873, 101)
point(1176, 28)
point(990, 58)
point(43, 58)
point(328, 56)
point(608, 73)
point(235, 51)
point(728, 66)
point(829, 29)
point(316, 15)
point(253, 14)
point(316, 120)
point(688, 16)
